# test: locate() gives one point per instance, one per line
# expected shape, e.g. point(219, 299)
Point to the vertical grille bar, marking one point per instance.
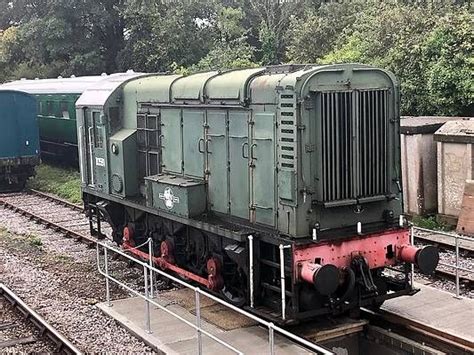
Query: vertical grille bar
point(354, 129)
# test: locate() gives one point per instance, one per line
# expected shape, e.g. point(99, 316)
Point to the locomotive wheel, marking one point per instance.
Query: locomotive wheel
point(234, 290)
point(233, 295)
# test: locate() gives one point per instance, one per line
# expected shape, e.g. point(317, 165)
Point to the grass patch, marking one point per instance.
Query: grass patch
point(431, 223)
point(63, 182)
point(34, 240)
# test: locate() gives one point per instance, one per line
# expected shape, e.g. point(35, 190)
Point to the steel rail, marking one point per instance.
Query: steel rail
point(437, 335)
point(56, 199)
point(456, 267)
point(62, 344)
point(434, 233)
point(49, 224)
point(92, 242)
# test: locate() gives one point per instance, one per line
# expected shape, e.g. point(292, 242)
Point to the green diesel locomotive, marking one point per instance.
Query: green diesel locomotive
point(277, 188)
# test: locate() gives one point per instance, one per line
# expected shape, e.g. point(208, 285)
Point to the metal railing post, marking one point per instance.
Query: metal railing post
point(250, 237)
point(150, 253)
point(107, 286)
point(147, 301)
point(272, 328)
point(271, 339)
point(198, 319)
point(457, 267)
point(412, 242)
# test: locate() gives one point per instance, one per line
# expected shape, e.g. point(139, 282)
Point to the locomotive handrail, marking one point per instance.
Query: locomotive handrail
point(149, 270)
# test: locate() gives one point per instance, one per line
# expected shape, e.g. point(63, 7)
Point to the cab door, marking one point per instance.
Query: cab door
point(96, 149)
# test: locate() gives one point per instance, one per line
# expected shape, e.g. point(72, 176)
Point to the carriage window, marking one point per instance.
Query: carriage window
point(114, 119)
point(64, 109)
point(98, 138)
point(49, 108)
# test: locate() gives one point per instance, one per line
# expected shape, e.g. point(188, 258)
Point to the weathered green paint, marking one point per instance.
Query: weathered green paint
point(57, 117)
point(171, 142)
point(253, 137)
point(193, 142)
point(239, 169)
point(217, 155)
point(176, 195)
point(262, 155)
point(123, 163)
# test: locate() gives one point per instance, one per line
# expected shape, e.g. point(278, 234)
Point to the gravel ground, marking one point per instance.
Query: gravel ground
point(57, 277)
point(449, 257)
point(13, 326)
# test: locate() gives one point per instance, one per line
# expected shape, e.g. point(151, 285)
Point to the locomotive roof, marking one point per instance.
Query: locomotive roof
point(72, 85)
point(260, 85)
point(97, 94)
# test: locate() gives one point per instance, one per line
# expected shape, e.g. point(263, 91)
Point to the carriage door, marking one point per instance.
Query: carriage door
point(96, 151)
point(262, 163)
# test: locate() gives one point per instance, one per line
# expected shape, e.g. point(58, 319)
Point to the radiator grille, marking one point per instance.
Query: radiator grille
point(354, 139)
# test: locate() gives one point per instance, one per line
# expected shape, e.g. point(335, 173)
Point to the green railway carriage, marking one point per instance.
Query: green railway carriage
point(278, 188)
point(19, 139)
point(56, 99)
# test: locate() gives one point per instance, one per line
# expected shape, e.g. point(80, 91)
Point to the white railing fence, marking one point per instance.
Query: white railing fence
point(149, 273)
point(456, 267)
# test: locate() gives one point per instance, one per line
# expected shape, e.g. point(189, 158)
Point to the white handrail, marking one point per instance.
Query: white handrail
point(269, 325)
point(456, 266)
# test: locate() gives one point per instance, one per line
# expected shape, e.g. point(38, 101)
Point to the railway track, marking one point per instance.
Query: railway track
point(43, 208)
point(419, 332)
point(70, 220)
point(448, 243)
point(52, 212)
point(14, 332)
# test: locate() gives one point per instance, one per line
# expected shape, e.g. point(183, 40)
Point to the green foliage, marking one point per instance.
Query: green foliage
point(430, 223)
point(34, 240)
point(179, 34)
point(230, 49)
point(269, 41)
point(428, 46)
point(312, 35)
point(63, 182)
point(450, 65)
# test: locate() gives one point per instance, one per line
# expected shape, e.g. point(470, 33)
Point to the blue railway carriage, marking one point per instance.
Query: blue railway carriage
point(19, 139)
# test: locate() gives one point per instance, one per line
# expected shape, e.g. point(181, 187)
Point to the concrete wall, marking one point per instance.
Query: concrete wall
point(455, 166)
point(419, 167)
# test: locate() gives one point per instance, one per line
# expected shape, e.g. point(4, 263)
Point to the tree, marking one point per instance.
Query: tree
point(394, 38)
point(315, 32)
point(162, 36)
point(272, 20)
point(230, 49)
point(450, 65)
